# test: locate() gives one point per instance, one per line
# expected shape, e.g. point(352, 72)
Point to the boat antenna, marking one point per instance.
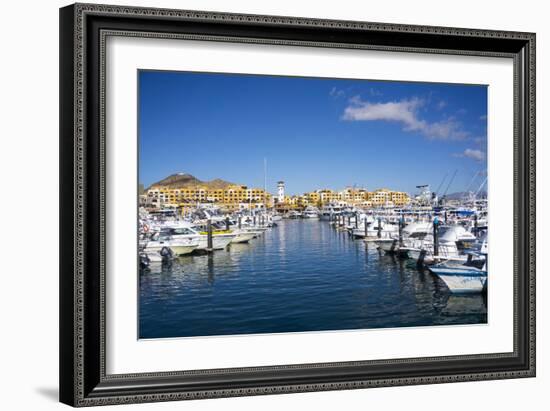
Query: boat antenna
point(265, 183)
point(472, 181)
point(450, 182)
point(481, 186)
point(442, 181)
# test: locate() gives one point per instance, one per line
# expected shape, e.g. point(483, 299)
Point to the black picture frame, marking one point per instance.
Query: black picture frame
point(83, 29)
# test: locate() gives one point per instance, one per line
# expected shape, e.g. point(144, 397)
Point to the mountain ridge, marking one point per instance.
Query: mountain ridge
point(182, 180)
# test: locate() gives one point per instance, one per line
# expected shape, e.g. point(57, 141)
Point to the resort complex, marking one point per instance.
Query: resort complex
point(186, 194)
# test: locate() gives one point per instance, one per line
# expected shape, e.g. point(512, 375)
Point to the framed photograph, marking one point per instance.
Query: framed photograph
point(261, 204)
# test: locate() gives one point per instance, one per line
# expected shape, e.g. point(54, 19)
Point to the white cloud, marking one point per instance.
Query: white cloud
point(334, 92)
point(483, 117)
point(375, 93)
point(405, 112)
point(476, 155)
point(481, 140)
point(441, 105)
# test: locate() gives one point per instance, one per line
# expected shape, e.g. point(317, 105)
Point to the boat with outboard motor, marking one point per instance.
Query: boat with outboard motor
point(461, 278)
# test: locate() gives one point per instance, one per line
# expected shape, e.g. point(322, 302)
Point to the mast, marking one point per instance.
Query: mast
point(450, 182)
point(265, 184)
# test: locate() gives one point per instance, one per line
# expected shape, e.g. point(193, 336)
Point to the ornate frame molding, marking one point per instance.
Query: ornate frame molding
point(82, 333)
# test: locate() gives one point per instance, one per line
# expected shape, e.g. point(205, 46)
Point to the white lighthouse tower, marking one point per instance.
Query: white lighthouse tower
point(280, 191)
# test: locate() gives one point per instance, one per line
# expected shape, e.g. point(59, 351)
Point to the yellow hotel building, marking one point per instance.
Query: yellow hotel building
point(238, 196)
point(230, 197)
point(350, 196)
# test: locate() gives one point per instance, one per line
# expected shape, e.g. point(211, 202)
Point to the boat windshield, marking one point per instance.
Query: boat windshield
point(181, 231)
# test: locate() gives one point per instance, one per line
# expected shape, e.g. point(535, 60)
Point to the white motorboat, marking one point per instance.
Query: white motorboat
point(293, 214)
point(461, 278)
point(375, 229)
point(450, 237)
point(411, 232)
point(330, 210)
point(310, 212)
point(243, 236)
point(179, 246)
point(183, 229)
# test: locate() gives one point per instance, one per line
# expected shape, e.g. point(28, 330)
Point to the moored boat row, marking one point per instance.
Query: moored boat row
point(453, 245)
point(167, 236)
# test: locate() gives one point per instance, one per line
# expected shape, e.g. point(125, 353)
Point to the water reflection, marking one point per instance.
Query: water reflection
point(300, 276)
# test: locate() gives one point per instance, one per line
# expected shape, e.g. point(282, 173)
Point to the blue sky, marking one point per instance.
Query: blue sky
point(314, 133)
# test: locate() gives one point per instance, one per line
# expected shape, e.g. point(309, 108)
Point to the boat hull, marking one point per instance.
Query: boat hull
point(243, 237)
point(219, 241)
point(183, 249)
point(462, 281)
point(388, 246)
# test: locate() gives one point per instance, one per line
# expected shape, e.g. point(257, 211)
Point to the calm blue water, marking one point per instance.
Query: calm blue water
point(300, 276)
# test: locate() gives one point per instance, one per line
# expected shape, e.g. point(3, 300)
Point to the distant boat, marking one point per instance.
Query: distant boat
point(276, 217)
point(461, 278)
point(292, 214)
point(329, 210)
point(411, 232)
point(310, 212)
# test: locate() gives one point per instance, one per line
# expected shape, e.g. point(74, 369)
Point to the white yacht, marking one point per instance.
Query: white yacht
point(450, 237)
point(178, 245)
point(242, 235)
point(329, 210)
point(387, 230)
point(310, 212)
point(412, 231)
point(461, 278)
point(184, 229)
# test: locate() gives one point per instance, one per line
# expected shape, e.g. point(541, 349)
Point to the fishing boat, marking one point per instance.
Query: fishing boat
point(293, 214)
point(450, 238)
point(151, 257)
point(411, 232)
point(310, 212)
point(378, 229)
point(184, 229)
point(461, 278)
point(179, 245)
point(242, 235)
point(329, 211)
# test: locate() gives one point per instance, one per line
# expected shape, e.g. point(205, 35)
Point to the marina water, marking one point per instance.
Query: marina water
point(302, 275)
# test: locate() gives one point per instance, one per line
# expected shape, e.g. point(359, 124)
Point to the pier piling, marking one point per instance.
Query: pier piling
point(401, 232)
point(240, 222)
point(436, 237)
point(227, 223)
point(379, 234)
point(209, 244)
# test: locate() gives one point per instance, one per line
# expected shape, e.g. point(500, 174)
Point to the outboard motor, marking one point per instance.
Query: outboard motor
point(144, 261)
point(167, 254)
